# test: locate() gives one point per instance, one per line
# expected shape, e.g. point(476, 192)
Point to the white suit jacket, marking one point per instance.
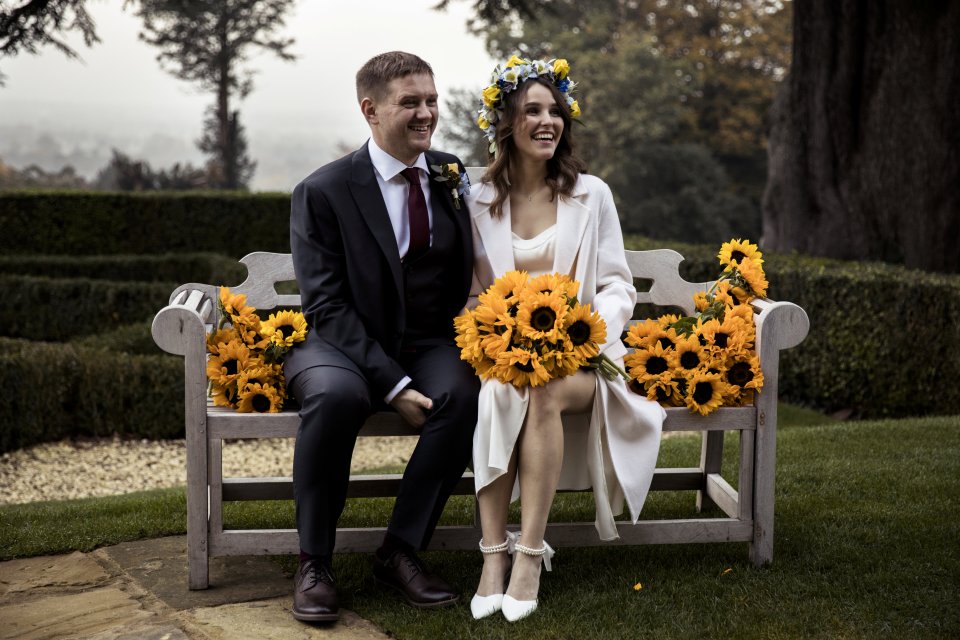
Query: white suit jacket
point(622, 433)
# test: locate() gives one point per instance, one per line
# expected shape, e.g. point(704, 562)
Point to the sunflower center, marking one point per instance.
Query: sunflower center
point(543, 318)
point(285, 330)
point(579, 333)
point(260, 403)
point(703, 392)
point(720, 339)
point(656, 365)
point(231, 367)
point(737, 256)
point(526, 367)
point(665, 342)
point(662, 394)
point(689, 360)
point(740, 374)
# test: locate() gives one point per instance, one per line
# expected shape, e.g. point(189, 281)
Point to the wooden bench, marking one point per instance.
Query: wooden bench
point(180, 328)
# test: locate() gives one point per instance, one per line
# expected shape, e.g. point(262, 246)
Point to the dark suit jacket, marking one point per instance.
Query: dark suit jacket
point(348, 268)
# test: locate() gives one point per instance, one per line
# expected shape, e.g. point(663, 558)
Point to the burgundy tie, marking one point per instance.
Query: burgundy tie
point(417, 210)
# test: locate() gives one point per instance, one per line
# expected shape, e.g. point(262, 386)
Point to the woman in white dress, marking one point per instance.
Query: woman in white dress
point(537, 211)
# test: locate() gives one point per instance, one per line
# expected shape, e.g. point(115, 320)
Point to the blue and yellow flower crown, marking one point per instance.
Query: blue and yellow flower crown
point(516, 71)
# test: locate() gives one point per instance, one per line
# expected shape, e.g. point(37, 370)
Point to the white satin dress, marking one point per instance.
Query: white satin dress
point(618, 464)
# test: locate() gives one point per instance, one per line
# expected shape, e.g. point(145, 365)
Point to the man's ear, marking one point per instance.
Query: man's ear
point(369, 110)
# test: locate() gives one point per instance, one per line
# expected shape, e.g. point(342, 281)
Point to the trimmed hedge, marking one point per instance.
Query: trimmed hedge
point(57, 309)
point(167, 267)
point(884, 341)
point(132, 339)
point(89, 223)
point(57, 391)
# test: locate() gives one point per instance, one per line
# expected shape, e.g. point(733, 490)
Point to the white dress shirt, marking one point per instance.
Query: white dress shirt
point(395, 190)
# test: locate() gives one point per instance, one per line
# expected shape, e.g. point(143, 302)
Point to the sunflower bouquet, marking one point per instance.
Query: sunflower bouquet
point(709, 359)
point(528, 331)
point(246, 354)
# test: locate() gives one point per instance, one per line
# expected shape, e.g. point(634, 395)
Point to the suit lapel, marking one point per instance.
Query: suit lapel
point(495, 233)
point(366, 193)
point(441, 202)
point(572, 217)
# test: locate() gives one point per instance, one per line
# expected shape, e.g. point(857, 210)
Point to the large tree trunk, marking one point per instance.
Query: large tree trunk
point(865, 140)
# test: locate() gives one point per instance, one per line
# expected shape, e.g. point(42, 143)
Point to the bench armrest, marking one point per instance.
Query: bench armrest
point(180, 326)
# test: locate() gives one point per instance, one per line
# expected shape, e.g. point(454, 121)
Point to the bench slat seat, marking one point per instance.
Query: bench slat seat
point(181, 328)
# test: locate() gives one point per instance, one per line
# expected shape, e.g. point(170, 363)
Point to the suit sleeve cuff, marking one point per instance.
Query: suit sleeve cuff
point(397, 389)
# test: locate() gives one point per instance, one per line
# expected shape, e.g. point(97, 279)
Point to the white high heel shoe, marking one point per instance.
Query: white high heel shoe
point(514, 609)
point(483, 606)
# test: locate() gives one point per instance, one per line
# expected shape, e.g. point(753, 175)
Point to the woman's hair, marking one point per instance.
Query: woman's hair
point(562, 169)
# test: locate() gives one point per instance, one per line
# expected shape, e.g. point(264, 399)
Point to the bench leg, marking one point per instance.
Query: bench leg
point(711, 459)
point(197, 539)
point(761, 548)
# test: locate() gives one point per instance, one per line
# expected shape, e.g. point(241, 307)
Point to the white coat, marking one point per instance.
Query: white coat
point(614, 448)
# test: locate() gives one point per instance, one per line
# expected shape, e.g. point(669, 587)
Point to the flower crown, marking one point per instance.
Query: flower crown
point(505, 80)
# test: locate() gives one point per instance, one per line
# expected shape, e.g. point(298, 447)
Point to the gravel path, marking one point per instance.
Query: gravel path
point(66, 470)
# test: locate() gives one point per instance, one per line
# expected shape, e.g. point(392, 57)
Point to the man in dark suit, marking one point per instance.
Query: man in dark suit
point(383, 257)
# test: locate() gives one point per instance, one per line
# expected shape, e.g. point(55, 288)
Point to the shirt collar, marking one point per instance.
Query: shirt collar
point(389, 167)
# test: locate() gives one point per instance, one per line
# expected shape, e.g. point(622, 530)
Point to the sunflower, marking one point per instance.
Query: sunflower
point(650, 362)
point(520, 367)
point(744, 377)
point(285, 328)
point(690, 355)
point(468, 337)
point(753, 277)
point(541, 315)
point(732, 254)
point(702, 300)
point(259, 398)
point(705, 392)
point(561, 360)
point(730, 334)
point(643, 334)
point(233, 304)
point(731, 294)
point(265, 374)
point(586, 330)
point(551, 282)
point(232, 358)
point(225, 396)
point(509, 285)
point(218, 338)
point(664, 389)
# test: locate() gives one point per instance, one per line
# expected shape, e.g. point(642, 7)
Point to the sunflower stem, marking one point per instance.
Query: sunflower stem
point(607, 367)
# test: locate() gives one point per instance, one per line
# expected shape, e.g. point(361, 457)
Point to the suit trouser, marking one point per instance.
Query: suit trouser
point(335, 402)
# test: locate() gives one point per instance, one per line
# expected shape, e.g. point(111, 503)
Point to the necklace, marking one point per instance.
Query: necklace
point(529, 197)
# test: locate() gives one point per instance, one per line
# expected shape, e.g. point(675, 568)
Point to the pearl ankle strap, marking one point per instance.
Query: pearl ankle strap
point(507, 545)
point(546, 552)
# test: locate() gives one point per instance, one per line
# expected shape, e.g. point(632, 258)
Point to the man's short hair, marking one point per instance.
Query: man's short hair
point(376, 74)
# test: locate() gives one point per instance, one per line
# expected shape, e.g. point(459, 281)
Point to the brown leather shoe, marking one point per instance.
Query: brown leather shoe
point(405, 572)
point(315, 592)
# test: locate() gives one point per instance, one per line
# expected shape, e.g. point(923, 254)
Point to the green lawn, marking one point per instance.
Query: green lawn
point(866, 546)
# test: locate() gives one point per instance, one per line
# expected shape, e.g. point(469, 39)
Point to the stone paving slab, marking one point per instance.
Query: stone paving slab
point(138, 591)
point(160, 567)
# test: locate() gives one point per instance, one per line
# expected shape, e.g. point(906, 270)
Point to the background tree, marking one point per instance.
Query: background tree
point(206, 42)
point(642, 100)
point(124, 173)
point(33, 177)
point(865, 145)
point(27, 26)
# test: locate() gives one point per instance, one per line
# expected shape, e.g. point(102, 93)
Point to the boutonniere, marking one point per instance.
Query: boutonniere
point(459, 183)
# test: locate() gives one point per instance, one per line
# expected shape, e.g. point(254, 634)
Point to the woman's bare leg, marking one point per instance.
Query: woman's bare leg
point(494, 500)
point(540, 457)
